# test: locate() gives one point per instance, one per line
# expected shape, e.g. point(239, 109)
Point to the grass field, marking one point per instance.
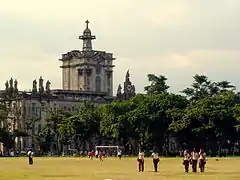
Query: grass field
point(112, 168)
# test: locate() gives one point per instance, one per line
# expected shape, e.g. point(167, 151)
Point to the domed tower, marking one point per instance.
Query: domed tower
point(88, 70)
point(87, 38)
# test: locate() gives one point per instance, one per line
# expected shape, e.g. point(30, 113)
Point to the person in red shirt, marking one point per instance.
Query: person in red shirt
point(91, 154)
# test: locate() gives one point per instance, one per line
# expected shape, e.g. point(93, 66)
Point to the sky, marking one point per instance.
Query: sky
point(174, 38)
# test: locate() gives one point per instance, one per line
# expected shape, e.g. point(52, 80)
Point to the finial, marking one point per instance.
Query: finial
point(87, 22)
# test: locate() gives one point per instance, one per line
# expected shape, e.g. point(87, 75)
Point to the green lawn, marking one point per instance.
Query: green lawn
point(112, 168)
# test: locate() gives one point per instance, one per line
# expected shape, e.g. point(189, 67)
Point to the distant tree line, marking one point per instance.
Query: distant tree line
point(206, 115)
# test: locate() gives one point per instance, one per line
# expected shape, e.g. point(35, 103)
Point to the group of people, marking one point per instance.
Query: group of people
point(193, 158)
point(97, 154)
point(100, 154)
point(189, 158)
point(140, 160)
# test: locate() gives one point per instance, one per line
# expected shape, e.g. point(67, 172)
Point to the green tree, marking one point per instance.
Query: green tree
point(202, 87)
point(158, 84)
point(142, 121)
point(115, 122)
point(225, 86)
point(52, 131)
point(208, 122)
point(82, 127)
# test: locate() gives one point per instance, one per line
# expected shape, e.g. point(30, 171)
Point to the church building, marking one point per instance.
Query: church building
point(87, 75)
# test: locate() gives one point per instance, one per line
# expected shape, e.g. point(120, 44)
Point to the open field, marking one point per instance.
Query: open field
point(112, 168)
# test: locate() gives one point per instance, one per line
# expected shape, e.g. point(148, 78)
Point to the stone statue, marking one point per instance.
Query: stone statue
point(119, 90)
point(6, 86)
point(10, 92)
point(40, 86)
point(127, 77)
point(15, 87)
point(48, 90)
point(34, 88)
point(11, 83)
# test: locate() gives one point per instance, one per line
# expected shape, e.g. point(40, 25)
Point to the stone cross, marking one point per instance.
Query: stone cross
point(87, 22)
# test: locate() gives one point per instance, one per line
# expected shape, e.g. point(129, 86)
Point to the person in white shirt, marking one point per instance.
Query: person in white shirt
point(194, 160)
point(202, 160)
point(155, 161)
point(186, 160)
point(30, 157)
point(119, 154)
point(96, 153)
point(140, 161)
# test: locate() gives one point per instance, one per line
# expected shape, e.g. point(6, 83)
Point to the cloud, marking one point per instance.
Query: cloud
point(176, 38)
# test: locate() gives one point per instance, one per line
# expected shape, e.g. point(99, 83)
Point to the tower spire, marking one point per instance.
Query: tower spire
point(87, 38)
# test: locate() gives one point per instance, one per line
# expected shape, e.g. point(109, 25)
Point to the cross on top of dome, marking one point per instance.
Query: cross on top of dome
point(87, 22)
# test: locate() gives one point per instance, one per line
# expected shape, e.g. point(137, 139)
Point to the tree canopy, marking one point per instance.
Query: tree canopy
point(206, 115)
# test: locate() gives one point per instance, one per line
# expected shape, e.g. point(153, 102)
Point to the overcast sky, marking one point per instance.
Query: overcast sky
point(175, 38)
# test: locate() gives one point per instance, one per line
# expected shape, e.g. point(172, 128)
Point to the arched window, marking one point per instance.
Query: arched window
point(98, 84)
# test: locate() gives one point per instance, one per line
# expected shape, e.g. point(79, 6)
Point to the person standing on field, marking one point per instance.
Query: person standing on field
point(96, 153)
point(186, 160)
point(119, 154)
point(101, 154)
point(30, 157)
point(140, 160)
point(202, 160)
point(194, 160)
point(91, 155)
point(155, 161)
